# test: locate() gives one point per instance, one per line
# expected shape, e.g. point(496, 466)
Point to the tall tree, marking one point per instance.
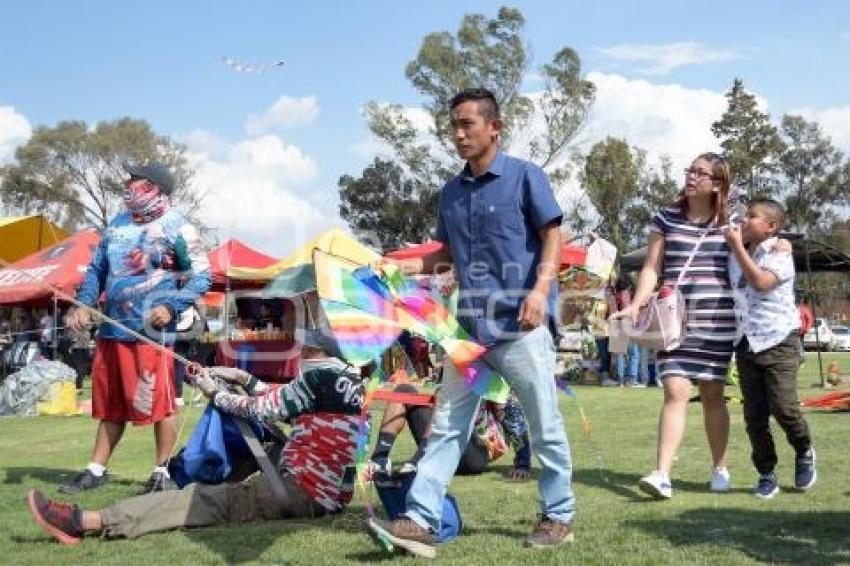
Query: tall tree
point(489, 53)
point(813, 173)
point(611, 179)
point(751, 144)
point(395, 221)
point(73, 173)
point(625, 191)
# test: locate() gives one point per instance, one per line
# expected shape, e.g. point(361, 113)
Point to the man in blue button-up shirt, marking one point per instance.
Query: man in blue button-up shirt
point(499, 223)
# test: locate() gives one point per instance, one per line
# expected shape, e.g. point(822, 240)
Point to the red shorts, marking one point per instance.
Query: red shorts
point(132, 382)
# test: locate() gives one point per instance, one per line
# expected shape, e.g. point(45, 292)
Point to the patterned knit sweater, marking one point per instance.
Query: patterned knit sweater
point(324, 406)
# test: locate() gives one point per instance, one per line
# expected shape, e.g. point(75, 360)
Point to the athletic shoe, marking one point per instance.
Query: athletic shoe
point(767, 486)
point(657, 484)
point(62, 522)
point(405, 533)
point(637, 385)
point(158, 482)
point(83, 481)
point(407, 468)
point(720, 480)
point(805, 472)
point(548, 533)
point(607, 382)
point(380, 466)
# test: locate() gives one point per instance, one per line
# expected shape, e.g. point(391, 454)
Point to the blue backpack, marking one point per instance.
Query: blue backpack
point(208, 456)
point(392, 490)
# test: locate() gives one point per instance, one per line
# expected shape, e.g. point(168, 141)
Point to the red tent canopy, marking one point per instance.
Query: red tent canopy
point(418, 250)
point(62, 265)
point(570, 255)
point(234, 253)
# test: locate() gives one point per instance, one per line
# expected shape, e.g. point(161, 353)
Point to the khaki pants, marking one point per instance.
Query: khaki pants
point(199, 505)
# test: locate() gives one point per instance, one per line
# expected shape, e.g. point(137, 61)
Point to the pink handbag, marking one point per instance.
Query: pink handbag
point(663, 320)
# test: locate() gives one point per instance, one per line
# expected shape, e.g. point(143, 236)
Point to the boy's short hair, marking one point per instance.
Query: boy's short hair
point(772, 209)
point(488, 106)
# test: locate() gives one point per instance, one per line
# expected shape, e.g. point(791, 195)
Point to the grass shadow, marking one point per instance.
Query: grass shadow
point(55, 476)
point(767, 536)
point(499, 473)
point(626, 484)
point(238, 543)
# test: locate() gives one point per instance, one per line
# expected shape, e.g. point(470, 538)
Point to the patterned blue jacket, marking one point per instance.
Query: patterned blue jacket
point(142, 266)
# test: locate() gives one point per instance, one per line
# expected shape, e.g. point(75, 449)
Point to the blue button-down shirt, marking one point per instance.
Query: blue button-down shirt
point(491, 225)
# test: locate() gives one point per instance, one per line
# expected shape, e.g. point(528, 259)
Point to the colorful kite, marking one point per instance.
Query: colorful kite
point(367, 312)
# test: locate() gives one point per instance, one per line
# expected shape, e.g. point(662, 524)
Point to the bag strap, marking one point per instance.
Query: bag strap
point(691, 257)
point(269, 471)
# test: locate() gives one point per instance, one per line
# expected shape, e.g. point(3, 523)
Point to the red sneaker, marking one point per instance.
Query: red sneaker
point(62, 522)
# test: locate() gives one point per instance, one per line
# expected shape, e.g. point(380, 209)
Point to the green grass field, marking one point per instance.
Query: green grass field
point(615, 523)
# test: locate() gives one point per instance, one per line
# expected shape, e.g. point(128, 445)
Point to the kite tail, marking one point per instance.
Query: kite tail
point(586, 427)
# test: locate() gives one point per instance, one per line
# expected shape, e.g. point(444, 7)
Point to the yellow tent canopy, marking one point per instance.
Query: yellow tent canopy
point(334, 242)
point(22, 235)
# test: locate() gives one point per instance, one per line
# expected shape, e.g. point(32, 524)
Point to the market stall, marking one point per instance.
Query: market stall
point(261, 340)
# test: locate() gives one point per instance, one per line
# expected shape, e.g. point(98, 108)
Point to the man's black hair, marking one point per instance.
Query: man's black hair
point(488, 106)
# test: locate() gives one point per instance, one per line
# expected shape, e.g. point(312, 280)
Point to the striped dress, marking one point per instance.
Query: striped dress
point(706, 350)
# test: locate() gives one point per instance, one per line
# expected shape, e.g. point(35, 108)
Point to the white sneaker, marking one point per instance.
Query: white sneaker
point(179, 401)
point(657, 484)
point(607, 382)
point(720, 480)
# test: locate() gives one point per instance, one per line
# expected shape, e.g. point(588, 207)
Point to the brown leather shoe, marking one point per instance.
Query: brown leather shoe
point(548, 533)
point(405, 533)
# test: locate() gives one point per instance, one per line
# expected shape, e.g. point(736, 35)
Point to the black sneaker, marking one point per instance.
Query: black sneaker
point(83, 481)
point(158, 482)
point(805, 473)
point(767, 486)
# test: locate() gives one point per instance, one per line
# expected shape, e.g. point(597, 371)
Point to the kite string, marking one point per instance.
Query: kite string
point(190, 365)
point(586, 426)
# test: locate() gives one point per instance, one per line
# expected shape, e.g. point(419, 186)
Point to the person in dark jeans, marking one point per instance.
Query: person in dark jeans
point(767, 352)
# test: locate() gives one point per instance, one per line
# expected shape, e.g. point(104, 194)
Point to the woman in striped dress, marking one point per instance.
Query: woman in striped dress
point(706, 350)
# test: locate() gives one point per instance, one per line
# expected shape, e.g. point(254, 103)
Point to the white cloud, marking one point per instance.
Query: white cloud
point(259, 190)
point(205, 142)
point(663, 119)
point(286, 112)
point(660, 59)
point(15, 130)
point(835, 123)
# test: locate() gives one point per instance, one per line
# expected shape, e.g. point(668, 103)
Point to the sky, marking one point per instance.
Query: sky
point(268, 148)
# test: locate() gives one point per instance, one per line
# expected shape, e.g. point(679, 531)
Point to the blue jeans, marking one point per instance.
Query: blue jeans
point(528, 365)
point(603, 355)
point(628, 364)
point(648, 369)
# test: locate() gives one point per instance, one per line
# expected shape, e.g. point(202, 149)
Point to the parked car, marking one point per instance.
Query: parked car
point(571, 338)
point(823, 339)
point(841, 334)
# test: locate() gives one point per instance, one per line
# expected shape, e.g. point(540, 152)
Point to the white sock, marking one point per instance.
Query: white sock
point(96, 469)
point(161, 470)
